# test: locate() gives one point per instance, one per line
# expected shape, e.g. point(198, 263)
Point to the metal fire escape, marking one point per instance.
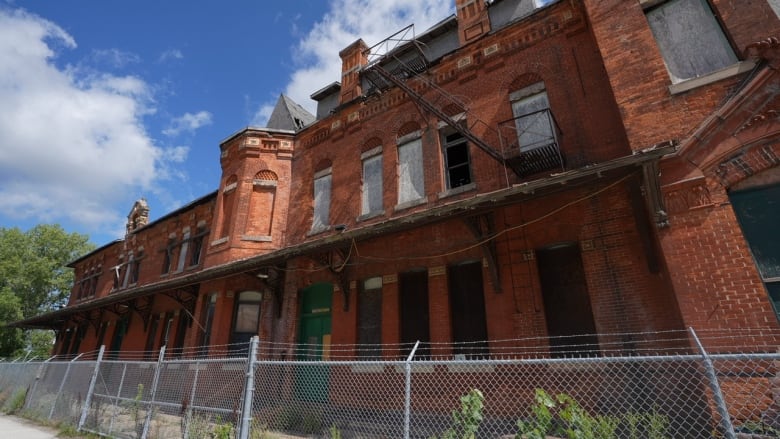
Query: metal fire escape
point(400, 61)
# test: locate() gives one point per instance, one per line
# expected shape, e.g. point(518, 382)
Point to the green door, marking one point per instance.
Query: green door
point(314, 342)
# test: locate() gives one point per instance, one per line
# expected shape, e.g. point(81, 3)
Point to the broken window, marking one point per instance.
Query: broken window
point(689, 37)
point(197, 246)
point(372, 182)
point(168, 255)
point(370, 319)
point(533, 119)
point(411, 180)
point(185, 245)
point(456, 159)
point(322, 185)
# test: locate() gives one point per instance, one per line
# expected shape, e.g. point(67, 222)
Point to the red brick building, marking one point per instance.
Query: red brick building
point(524, 168)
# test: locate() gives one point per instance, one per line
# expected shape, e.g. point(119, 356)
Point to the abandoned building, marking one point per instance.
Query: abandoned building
point(524, 168)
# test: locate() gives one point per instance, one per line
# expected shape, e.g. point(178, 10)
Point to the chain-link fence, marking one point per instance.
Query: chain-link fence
point(661, 385)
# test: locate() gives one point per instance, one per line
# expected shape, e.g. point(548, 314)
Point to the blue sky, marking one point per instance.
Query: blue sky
point(104, 102)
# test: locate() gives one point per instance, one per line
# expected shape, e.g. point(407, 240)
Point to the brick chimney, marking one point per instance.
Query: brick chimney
point(353, 57)
point(473, 20)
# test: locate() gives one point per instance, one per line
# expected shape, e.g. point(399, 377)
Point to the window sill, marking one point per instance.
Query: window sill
point(256, 238)
point(369, 215)
point(732, 70)
point(220, 241)
point(409, 204)
point(457, 190)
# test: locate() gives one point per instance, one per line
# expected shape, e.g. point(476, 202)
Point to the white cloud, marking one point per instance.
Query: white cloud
point(115, 57)
point(72, 140)
point(170, 54)
point(187, 122)
point(347, 20)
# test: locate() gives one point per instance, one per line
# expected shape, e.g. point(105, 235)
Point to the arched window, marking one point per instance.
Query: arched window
point(228, 200)
point(261, 206)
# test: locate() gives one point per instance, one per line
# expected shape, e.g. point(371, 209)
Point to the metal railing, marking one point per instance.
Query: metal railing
point(671, 385)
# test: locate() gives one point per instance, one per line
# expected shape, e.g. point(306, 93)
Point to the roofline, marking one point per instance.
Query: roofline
point(253, 128)
point(87, 255)
point(490, 200)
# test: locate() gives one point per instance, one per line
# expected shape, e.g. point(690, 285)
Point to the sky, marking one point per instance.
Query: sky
point(105, 102)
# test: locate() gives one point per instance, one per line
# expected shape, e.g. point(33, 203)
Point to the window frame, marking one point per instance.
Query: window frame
point(720, 66)
point(406, 175)
point(376, 182)
point(446, 146)
point(321, 205)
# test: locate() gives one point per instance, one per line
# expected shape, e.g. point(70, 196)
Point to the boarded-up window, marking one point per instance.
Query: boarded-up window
point(372, 184)
point(322, 186)
point(467, 309)
point(533, 120)
point(690, 39)
point(411, 180)
point(415, 318)
point(370, 319)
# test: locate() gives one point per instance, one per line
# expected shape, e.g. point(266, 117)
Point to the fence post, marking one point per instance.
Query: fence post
point(249, 390)
point(116, 400)
point(38, 376)
point(408, 390)
point(188, 415)
point(153, 393)
point(725, 418)
point(62, 385)
point(91, 390)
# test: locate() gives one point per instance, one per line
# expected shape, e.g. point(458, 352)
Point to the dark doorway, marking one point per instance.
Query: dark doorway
point(566, 301)
point(467, 309)
point(415, 320)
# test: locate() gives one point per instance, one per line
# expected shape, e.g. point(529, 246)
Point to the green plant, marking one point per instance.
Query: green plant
point(197, 426)
point(563, 416)
point(222, 430)
point(334, 431)
point(16, 402)
point(465, 422)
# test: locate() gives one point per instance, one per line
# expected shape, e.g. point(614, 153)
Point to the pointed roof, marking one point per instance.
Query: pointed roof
point(288, 115)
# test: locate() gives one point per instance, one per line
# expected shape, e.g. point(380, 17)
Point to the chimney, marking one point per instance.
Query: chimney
point(353, 57)
point(473, 20)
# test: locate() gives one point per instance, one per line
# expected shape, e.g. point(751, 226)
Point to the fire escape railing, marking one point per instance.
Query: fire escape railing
point(530, 143)
point(399, 58)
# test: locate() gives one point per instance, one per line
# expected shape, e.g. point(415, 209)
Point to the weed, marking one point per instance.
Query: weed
point(16, 402)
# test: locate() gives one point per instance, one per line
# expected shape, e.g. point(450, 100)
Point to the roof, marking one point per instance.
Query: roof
point(288, 115)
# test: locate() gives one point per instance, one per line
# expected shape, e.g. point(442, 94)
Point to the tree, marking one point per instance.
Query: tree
point(33, 275)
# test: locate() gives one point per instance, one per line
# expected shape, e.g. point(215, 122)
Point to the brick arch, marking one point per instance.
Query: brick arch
point(370, 144)
point(232, 179)
point(524, 80)
point(408, 128)
point(753, 149)
point(323, 164)
point(453, 109)
point(266, 175)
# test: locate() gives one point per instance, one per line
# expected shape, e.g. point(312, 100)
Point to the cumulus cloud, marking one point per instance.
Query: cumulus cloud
point(72, 140)
point(187, 122)
point(318, 63)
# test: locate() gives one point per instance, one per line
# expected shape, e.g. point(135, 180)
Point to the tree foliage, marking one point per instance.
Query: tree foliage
point(33, 275)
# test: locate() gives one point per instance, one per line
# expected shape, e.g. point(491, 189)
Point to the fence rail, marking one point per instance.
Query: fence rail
point(671, 393)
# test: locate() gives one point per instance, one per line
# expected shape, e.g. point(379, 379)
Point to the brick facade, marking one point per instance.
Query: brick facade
point(655, 251)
